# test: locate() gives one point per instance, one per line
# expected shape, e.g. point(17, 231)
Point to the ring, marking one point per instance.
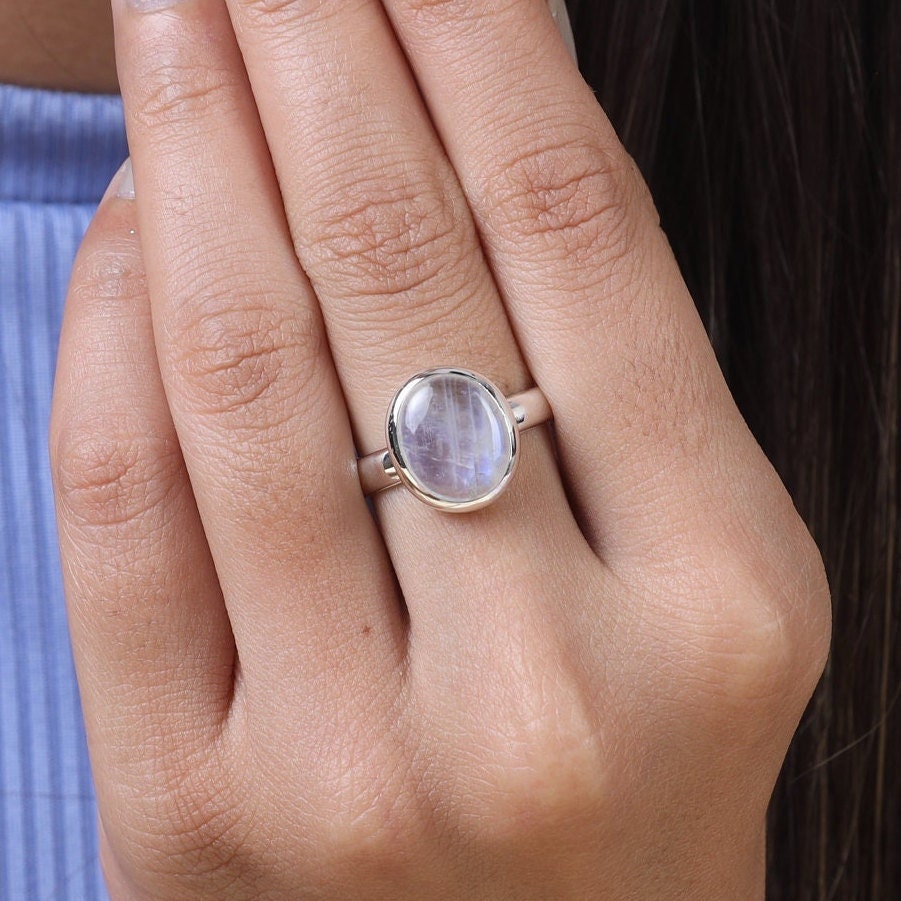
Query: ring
point(452, 439)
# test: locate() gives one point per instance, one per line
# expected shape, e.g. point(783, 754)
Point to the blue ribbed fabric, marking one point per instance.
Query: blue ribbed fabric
point(57, 154)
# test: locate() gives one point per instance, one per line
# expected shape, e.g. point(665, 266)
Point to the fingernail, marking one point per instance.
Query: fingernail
point(561, 17)
point(123, 182)
point(148, 6)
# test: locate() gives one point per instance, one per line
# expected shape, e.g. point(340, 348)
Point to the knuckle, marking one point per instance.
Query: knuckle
point(176, 94)
point(391, 242)
point(775, 633)
point(372, 838)
point(544, 799)
point(233, 361)
point(205, 834)
point(193, 834)
point(111, 473)
point(571, 199)
point(280, 10)
point(368, 816)
point(281, 15)
point(109, 267)
point(797, 596)
point(547, 770)
point(446, 9)
point(274, 8)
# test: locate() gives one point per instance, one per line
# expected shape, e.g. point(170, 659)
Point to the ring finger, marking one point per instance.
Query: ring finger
point(384, 232)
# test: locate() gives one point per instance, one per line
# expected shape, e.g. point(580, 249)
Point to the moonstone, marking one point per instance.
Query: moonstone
point(453, 437)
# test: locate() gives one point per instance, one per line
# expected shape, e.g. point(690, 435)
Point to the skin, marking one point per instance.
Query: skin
point(585, 690)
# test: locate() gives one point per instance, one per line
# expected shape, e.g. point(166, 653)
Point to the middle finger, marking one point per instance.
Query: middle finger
point(382, 228)
point(246, 369)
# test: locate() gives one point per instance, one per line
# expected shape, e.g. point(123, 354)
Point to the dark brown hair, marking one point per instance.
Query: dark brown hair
point(770, 134)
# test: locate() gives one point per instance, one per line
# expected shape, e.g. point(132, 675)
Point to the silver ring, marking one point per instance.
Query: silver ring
point(452, 439)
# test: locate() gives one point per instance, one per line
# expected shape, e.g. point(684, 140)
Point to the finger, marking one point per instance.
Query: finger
point(153, 645)
point(254, 397)
point(377, 216)
point(382, 228)
point(642, 414)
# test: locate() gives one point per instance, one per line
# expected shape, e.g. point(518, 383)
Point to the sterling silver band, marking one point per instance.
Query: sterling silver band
point(380, 470)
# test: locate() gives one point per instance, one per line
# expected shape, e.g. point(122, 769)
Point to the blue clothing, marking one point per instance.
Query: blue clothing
point(57, 153)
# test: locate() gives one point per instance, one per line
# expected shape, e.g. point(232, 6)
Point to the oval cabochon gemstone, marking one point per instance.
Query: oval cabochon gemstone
point(453, 437)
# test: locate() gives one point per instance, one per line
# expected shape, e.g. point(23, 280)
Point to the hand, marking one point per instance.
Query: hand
point(585, 690)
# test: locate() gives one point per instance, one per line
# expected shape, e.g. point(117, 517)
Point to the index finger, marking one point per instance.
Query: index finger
point(642, 414)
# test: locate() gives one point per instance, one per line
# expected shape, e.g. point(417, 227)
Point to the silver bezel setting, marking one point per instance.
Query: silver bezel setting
point(408, 477)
